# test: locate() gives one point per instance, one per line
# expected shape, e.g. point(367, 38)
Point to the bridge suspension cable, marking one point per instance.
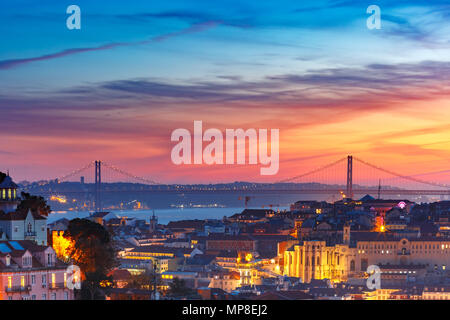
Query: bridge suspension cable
point(75, 172)
point(130, 175)
point(312, 171)
point(410, 178)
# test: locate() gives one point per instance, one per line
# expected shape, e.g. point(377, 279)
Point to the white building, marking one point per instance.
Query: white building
point(25, 225)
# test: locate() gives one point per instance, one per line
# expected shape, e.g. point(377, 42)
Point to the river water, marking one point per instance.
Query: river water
point(164, 215)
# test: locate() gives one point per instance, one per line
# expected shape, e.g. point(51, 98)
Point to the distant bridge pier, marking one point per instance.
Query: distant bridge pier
point(349, 192)
point(98, 186)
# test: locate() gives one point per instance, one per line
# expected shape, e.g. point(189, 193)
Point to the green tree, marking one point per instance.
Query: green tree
point(93, 252)
point(34, 203)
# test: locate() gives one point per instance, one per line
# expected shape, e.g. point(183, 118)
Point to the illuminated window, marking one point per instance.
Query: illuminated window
point(53, 280)
point(65, 279)
point(9, 282)
point(22, 281)
point(9, 194)
point(3, 193)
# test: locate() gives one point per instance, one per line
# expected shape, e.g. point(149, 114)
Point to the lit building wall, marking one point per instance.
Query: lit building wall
point(315, 260)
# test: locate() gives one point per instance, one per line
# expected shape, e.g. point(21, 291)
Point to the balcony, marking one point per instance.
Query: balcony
point(55, 286)
point(30, 234)
point(18, 289)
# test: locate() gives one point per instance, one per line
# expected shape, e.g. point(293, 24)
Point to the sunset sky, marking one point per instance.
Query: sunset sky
point(137, 70)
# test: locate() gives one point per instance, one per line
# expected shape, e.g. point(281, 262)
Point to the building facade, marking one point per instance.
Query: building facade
point(24, 225)
point(317, 260)
point(32, 272)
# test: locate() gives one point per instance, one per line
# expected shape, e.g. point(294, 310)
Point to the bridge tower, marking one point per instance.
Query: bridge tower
point(98, 186)
point(349, 192)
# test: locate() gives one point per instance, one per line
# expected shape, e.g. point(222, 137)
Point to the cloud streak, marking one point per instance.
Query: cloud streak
point(199, 27)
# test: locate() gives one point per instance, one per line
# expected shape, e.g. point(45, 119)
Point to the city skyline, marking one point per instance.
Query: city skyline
point(117, 88)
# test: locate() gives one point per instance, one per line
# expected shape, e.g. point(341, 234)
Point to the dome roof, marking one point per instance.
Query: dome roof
point(6, 182)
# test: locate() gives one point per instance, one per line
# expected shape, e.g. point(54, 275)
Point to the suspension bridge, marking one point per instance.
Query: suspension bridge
point(348, 176)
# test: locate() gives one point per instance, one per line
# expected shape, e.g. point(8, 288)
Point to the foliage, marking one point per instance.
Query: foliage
point(35, 204)
point(94, 286)
point(178, 288)
point(92, 250)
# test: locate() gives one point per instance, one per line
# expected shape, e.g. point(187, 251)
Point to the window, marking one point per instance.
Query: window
point(16, 229)
point(53, 296)
point(44, 296)
point(44, 279)
point(66, 295)
point(33, 279)
point(364, 264)
point(22, 281)
point(53, 280)
point(49, 259)
point(29, 228)
point(27, 261)
point(33, 297)
point(352, 265)
point(9, 282)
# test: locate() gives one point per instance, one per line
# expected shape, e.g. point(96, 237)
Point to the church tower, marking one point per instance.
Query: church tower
point(8, 193)
point(346, 234)
point(153, 222)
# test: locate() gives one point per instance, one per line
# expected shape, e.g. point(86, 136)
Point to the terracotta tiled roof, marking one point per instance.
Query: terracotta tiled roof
point(120, 274)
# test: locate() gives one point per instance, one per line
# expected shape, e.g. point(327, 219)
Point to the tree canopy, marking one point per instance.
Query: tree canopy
point(92, 250)
point(34, 203)
point(178, 288)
